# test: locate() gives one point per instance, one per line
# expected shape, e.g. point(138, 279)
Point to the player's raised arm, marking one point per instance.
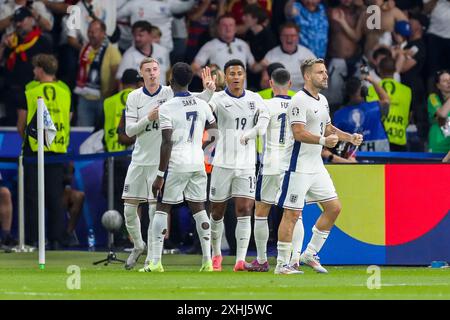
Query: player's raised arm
point(209, 85)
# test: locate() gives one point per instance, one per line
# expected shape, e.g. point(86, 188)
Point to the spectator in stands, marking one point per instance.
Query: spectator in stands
point(56, 6)
point(397, 120)
point(179, 36)
point(143, 47)
point(201, 19)
point(158, 13)
point(98, 64)
point(40, 13)
point(438, 36)
point(74, 37)
point(90, 10)
point(57, 98)
point(259, 37)
point(360, 116)
point(439, 114)
point(344, 51)
point(290, 53)
point(224, 48)
point(156, 35)
point(267, 92)
point(6, 215)
point(18, 50)
point(237, 9)
point(375, 37)
point(311, 18)
point(278, 17)
point(126, 36)
point(73, 201)
point(411, 60)
point(373, 66)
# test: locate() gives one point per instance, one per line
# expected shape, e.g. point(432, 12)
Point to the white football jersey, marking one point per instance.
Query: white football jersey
point(186, 115)
point(276, 135)
point(314, 114)
point(235, 115)
point(139, 103)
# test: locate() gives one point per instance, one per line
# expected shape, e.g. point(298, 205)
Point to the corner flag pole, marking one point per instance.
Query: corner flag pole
point(41, 181)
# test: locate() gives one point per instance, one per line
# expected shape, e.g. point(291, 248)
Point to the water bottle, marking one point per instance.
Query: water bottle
point(91, 240)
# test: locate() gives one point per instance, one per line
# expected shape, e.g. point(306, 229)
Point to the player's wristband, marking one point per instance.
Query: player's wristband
point(160, 174)
point(322, 141)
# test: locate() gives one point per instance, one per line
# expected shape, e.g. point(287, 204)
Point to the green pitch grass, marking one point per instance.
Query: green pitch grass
point(20, 278)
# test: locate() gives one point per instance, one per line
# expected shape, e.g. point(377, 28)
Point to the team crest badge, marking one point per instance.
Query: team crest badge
point(251, 105)
point(160, 102)
point(126, 188)
point(293, 198)
point(213, 191)
point(295, 111)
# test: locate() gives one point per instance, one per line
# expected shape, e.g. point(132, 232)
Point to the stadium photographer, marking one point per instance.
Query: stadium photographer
point(361, 116)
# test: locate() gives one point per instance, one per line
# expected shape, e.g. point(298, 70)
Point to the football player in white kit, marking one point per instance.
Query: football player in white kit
point(181, 174)
point(233, 175)
point(306, 177)
point(268, 181)
point(142, 122)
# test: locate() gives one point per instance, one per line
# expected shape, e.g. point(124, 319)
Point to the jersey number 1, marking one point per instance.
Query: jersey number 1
point(282, 118)
point(193, 115)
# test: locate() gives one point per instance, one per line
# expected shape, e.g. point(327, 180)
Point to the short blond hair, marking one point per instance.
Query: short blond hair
point(308, 63)
point(148, 60)
point(47, 62)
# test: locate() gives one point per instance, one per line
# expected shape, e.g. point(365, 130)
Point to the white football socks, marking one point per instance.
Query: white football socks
point(204, 233)
point(242, 233)
point(284, 252)
point(217, 227)
point(159, 230)
point(297, 241)
point(317, 241)
point(261, 238)
point(151, 215)
point(133, 225)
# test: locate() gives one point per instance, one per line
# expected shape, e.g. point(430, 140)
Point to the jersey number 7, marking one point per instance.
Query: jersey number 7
point(191, 115)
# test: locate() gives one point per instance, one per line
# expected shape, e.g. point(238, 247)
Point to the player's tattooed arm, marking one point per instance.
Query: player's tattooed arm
point(165, 152)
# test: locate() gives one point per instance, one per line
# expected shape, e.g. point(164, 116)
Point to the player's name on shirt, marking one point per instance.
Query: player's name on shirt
point(186, 116)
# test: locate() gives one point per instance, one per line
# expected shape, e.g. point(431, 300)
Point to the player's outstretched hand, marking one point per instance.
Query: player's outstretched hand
point(154, 114)
point(331, 140)
point(209, 82)
point(356, 139)
point(157, 186)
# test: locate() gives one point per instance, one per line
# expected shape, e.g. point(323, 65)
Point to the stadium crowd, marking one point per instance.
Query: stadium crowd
point(389, 75)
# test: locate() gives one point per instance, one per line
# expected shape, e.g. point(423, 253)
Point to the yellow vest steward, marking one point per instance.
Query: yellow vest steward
point(397, 120)
point(112, 109)
point(57, 98)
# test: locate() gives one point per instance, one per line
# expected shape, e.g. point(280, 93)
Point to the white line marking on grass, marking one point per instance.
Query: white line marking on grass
point(33, 293)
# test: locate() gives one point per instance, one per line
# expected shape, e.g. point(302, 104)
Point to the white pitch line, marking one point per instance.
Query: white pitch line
point(32, 293)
